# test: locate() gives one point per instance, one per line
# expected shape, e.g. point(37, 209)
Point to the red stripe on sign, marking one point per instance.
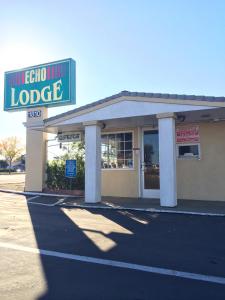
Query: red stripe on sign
point(58, 71)
point(48, 73)
point(53, 72)
point(17, 78)
point(23, 77)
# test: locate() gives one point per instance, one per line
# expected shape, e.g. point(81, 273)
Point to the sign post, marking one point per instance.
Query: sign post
point(71, 170)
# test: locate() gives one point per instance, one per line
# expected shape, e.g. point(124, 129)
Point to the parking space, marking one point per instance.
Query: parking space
point(32, 199)
point(15, 181)
point(51, 252)
point(45, 200)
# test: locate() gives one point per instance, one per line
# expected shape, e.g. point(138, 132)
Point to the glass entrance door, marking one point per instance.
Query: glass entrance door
point(150, 164)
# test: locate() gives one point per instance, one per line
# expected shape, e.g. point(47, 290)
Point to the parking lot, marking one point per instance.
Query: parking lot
point(15, 181)
point(52, 252)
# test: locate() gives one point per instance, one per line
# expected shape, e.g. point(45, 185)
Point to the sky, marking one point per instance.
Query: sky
point(162, 46)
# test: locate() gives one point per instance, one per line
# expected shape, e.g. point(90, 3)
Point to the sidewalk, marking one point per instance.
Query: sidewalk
point(192, 207)
point(195, 207)
point(15, 181)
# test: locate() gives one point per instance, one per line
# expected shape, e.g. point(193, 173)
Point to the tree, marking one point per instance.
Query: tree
point(10, 149)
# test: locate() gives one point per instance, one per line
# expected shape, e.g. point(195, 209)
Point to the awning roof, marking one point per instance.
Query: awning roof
point(152, 97)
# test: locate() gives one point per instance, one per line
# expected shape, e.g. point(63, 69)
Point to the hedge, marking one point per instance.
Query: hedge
point(56, 170)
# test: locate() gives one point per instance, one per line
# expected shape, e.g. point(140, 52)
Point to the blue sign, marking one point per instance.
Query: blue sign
point(50, 84)
point(71, 168)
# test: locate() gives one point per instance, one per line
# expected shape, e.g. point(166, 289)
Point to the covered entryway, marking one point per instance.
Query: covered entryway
point(151, 170)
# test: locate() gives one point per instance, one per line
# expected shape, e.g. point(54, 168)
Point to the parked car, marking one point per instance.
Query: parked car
point(19, 168)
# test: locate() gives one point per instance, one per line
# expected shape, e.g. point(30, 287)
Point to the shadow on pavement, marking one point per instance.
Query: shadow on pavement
point(147, 239)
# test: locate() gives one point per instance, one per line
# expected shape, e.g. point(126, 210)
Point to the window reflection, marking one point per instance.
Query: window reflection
point(151, 160)
point(117, 150)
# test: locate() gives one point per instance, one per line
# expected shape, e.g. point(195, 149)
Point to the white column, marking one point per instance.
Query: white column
point(92, 162)
point(167, 159)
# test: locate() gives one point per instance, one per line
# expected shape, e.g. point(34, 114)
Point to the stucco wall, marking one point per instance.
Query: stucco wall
point(35, 160)
point(204, 179)
point(35, 153)
point(122, 183)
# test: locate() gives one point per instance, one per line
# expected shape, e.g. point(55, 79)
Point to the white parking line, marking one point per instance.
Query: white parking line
point(29, 201)
point(32, 198)
point(43, 204)
point(119, 264)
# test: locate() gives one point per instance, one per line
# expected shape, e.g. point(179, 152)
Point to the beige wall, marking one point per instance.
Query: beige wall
point(122, 183)
point(35, 160)
point(204, 179)
point(35, 153)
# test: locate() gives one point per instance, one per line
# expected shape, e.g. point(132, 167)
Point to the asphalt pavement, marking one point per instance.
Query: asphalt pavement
point(51, 252)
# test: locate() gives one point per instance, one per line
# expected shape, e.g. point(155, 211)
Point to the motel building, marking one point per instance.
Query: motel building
point(140, 145)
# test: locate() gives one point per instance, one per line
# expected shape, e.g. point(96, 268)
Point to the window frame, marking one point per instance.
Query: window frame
point(188, 157)
point(118, 132)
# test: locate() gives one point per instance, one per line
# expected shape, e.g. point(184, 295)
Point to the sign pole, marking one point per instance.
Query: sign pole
point(71, 184)
point(36, 153)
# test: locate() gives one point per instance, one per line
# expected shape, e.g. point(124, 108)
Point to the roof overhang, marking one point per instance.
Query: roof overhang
point(134, 109)
point(101, 104)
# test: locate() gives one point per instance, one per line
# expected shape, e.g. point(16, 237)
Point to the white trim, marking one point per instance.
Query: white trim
point(139, 138)
point(117, 132)
point(188, 157)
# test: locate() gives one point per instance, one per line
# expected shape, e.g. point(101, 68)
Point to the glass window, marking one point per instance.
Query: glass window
point(151, 160)
point(188, 151)
point(117, 151)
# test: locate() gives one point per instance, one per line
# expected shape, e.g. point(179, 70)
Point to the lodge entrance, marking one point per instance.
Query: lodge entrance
point(150, 164)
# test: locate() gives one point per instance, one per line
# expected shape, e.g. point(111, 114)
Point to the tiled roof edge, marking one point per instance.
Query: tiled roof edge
point(139, 94)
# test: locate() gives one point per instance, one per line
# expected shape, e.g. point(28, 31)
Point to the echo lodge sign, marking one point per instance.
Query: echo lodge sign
point(49, 84)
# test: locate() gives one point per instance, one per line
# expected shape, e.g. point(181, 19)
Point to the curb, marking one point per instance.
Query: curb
point(152, 210)
point(38, 194)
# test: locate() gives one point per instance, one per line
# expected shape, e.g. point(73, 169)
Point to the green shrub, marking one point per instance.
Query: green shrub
point(56, 170)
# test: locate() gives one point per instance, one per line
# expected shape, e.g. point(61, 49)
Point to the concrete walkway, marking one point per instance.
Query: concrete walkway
point(184, 206)
point(193, 207)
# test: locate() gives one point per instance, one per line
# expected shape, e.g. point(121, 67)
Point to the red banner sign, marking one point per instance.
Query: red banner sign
point(187, 134)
